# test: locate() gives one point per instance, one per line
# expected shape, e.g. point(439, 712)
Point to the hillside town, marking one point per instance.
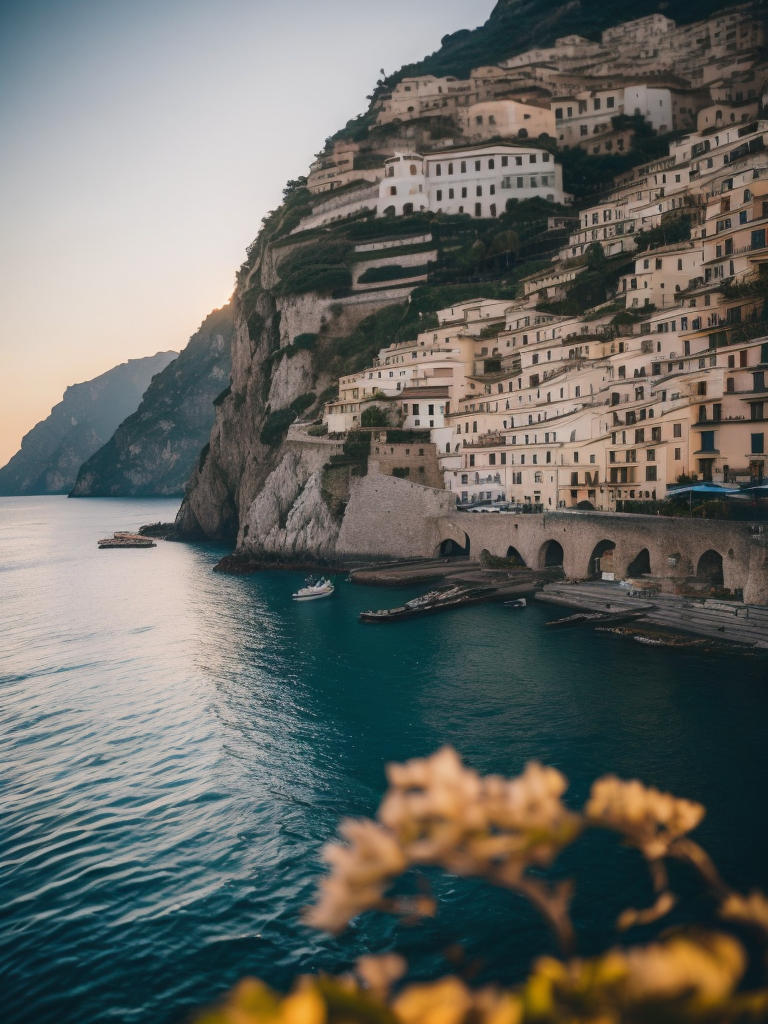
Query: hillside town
point(661, 382)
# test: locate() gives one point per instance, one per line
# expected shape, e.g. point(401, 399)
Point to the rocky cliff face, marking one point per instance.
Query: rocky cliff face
point(250, 483)
point(53, 451)
point(154, 450)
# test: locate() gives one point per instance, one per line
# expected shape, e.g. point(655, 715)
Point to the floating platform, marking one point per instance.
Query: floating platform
point(127, 540)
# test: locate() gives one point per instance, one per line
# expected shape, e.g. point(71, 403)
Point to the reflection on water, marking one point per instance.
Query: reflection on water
point(177, 745)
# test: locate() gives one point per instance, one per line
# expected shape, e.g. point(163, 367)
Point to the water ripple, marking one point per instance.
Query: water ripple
point(178, 745)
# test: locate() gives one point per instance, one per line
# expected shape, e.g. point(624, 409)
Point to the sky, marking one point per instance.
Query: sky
point(141, 143)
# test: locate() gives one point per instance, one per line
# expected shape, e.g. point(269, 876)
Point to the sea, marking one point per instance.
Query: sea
point(177, 745)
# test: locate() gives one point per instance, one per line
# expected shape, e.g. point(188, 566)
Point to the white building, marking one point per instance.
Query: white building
point(476, 181)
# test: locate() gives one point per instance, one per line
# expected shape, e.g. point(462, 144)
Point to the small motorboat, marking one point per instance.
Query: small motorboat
point(519, 603)
point(314, 589)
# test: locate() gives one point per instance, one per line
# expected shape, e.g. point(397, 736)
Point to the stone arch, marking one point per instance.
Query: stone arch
point(640, 564)
point(450, 548)
point(550, 554)
point(710, 567)
point(600, 549)
point(514, 554)
point(451, 540)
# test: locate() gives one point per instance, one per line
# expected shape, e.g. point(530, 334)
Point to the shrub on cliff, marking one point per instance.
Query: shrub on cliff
point(275, 425)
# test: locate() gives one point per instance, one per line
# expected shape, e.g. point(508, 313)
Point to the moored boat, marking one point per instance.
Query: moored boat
point(314, 590)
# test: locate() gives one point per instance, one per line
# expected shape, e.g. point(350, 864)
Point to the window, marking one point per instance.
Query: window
point(464, 193)
point(707, 441)
point(478, 209)
point(656, 433)
point(583, 130)
point(439, 169)
point(477, 165)
point(596, 103)
point(493, 209)
point(659, 263)
point(471, 460)
point(520, 182)
point(650, 455)
point(492, 190)
point(610, 101)
point(450, 193)
point(463, 166)
point(678, 454)
point(640, 435)
point(559, 113)
point(534, 183)
point(505, 161)
point(492, 459)
point(756, 410)
point(758, 444)
point(491, 163)
point(729, 384)
point(479, 119)
point(439, 194)
point(677, 430)
point(415, 410)
point(758, 239)
point(650, 472)
point(478, 190)
point(450, 168)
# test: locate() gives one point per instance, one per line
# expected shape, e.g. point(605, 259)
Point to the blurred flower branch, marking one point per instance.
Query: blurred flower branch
point(439, 813)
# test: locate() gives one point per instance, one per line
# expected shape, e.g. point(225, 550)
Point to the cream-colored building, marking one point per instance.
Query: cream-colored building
point(473, 180)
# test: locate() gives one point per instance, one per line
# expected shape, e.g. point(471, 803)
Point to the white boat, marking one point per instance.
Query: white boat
point(314, 590)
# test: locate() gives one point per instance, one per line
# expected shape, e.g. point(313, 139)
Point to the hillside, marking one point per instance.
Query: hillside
point(518, 25)
point(154, 449)
point(335, 275)
point(53, 451)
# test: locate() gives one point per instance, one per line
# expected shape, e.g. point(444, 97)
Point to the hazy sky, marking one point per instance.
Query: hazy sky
point(141, 143)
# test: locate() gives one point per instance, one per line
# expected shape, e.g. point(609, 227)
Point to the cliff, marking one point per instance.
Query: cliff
point(53, 451)
point(154, 449)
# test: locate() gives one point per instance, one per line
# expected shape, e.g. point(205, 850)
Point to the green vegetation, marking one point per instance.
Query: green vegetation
point(319, 267)
point(671, 230)
point(276, 425)
point(304, 341)
point(408, 437)
point(318, 431)
point(298, 405)
point(373, 416)
point(401, 471)
point(392, 272)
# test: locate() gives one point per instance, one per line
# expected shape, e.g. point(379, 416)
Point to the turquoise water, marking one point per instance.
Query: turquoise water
point(177, 745)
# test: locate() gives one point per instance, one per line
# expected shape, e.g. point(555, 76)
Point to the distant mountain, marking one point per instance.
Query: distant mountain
point(154, 450)
point(53, 451)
